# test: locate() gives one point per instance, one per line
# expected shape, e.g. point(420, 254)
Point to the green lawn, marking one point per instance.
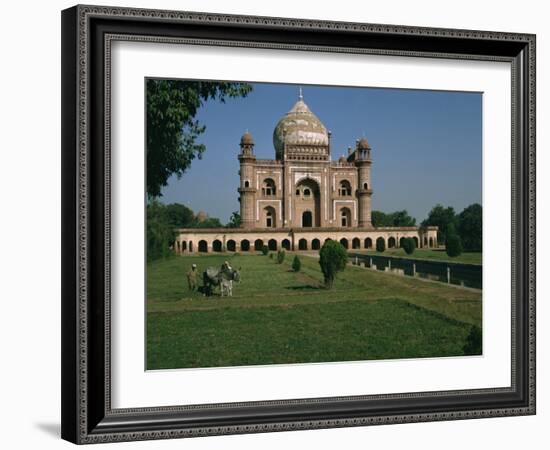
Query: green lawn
point(429, 254)
point(277, 316)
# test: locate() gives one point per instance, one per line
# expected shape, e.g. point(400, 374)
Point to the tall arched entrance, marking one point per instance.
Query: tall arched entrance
point(307, 204)
point(307, 219)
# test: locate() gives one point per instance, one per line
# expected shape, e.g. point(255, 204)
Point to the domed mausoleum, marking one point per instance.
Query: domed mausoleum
point(302, 197)
point(303, 187)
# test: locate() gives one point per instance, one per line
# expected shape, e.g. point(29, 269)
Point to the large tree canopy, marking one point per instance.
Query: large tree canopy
point(160, 232)
point(470, 227)
point(443, 218)
point(394, 219)
point(162, 222)
point(172, 129)
point(467, 225)
point(178, 215)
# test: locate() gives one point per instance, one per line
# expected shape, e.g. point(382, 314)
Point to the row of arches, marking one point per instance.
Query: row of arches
point(232, 245)
point(269, 188)
point(246, 245)
point(270, 218)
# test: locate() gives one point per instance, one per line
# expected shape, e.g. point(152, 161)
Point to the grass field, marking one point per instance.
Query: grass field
point(277, 316)
point(429, 254)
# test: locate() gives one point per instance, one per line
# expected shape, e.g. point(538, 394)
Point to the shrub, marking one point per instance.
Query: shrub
point(296, 264)
point(271, 255)
point(474, 341)
point(265, 250)
point(380, 244)
point(453, 245)
point(409, 245)
point(280, 256)
point(332, 259)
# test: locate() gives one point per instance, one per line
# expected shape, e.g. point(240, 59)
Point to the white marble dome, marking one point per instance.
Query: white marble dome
point(299, 126)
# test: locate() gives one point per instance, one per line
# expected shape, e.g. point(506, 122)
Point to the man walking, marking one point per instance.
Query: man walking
point(192, 277)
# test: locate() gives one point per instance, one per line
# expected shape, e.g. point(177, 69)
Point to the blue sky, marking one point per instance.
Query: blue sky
point(426, 145)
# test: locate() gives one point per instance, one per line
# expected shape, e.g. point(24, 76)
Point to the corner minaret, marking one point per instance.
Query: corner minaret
point(362, 159)
point(246, 189)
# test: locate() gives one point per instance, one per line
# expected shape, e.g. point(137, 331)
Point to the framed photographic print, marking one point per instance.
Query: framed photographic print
point(278, 224)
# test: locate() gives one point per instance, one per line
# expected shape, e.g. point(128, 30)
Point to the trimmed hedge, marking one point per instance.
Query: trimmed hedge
point(409, 245)
point(380, 245)
point(453, 245)
point(296, 264)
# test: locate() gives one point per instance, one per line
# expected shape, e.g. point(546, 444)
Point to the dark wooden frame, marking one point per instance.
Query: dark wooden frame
point(87, 31)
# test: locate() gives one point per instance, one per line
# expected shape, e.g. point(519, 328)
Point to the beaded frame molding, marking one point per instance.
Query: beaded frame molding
point(87, 34)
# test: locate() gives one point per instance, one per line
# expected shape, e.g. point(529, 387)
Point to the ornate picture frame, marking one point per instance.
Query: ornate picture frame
point(87, 35)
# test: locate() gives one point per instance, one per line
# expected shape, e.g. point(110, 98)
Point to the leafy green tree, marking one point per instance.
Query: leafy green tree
point(474, 342)
point(380, 245)
point(402, 219)
point(173, 130)
point(394, 219)
point(470, 227)
point(209, 222)
point(296, 264)
point(443, 218)
point(453, 244)
point(265, 250)
point(234, 220)
point(380, 219)
point(281, 256)
point(409, 245)
point(160, 232)
point(179, 216)
point(333, 258)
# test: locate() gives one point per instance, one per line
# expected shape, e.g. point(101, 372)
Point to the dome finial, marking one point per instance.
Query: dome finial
point(300, 94)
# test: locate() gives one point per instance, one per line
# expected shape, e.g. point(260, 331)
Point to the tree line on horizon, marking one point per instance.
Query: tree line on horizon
point(463, 230)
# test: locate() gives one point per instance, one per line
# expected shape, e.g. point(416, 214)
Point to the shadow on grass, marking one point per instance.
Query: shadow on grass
point(307, 287)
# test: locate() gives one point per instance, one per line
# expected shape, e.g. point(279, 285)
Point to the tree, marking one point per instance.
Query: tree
point(296, 264)
point(172, 129)
point(280, 256)
point(474, 342)
point(470, 227)
point(443, 218)
point(265, 250)
point(160, 232)
point(380, 219)
point(402, 219)
point(209, 222)
point(234, 220)
point(380, 244)
point(394, 219)
point(409, 245)
point(333, 258)
point(179, 216)
point(453, 245)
